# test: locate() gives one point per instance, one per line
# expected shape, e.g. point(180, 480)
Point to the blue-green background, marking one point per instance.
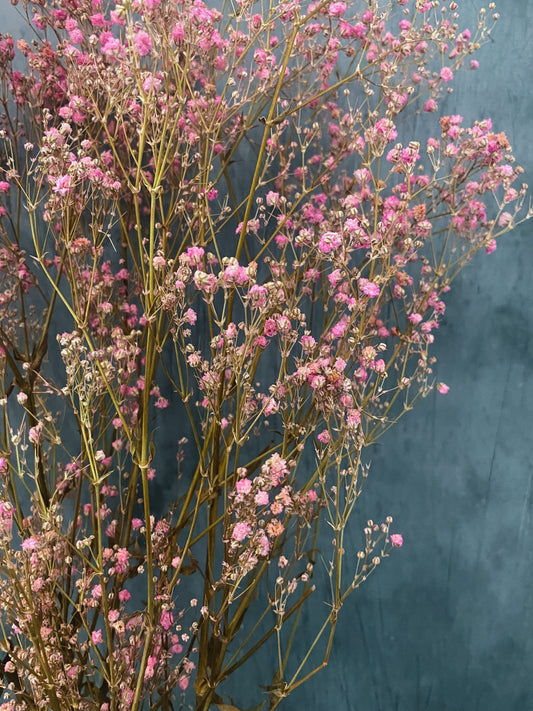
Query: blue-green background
point(446, 623)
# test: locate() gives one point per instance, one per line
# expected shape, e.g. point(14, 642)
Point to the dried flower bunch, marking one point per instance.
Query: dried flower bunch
point(206, 212)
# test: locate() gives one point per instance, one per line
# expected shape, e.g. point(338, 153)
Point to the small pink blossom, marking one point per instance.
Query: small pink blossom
point(270, 327)
point(369, 288)
point(261, 498)
point(335, 277)
point(397, 540)
point(446, 74)
point(323, 437)
point(176, 647)
point(151, 83)
point(275, 528)
point(329, 242)
point(111, 45)
point(178, 33)
point(443, 388)
point(353, 418)
point(190, 316)
point(379, 365)
point(491, 246)
point(35, 434)
point(121, 565)
point(263, 546)
point(37, 585)
point(275, 468)
point(336, 9)
point(124, 596)
point(166, 619)
point(116, 18)
point(98, 20)
point(30, 544)
point(505, 219)
point(143, 43)
point(241, 531)
point(63, 185)
point(38, 22)
point(6, 518)
point(243, 486)
point(205, 282)
point(149, 671)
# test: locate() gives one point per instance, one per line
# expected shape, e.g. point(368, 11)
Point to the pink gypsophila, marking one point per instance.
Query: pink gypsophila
point(241, 531)
point(275, 468)
point(166, 619)
point(63, 185)
point(30, 544)
point(6, 518)
point(243, 486)
point(369, 287)
point(329, 242)
point(143, 43)
point(336, 9)
point(491, 246)
point(397, 540)
point(261, 498)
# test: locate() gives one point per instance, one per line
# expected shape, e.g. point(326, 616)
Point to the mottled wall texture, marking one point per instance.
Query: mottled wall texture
point(446, 624)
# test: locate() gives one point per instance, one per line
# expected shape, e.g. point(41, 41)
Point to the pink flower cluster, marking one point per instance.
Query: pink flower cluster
point(256, 506)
